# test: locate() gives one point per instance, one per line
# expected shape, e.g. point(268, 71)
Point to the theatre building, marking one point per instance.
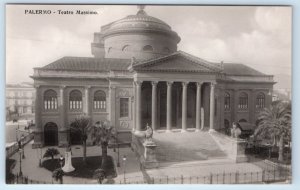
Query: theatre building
point(138, 76)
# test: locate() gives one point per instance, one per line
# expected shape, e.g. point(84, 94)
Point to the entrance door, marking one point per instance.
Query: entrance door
point(75, 137)
point(51, 134)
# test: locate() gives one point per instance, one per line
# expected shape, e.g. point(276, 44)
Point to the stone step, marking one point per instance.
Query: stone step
point(213, 161)
point(187, 146)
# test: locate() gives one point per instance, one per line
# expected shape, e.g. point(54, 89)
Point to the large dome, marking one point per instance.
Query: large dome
point(139, 22)
point(140, 36)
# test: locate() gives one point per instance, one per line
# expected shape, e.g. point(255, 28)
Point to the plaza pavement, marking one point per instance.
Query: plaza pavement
point(188, 167)
point(31, 169)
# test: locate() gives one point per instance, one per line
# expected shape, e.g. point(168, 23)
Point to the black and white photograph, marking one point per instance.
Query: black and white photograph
point(148, 94)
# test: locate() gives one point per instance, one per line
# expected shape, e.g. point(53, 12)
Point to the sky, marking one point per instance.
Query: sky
point(259, 37)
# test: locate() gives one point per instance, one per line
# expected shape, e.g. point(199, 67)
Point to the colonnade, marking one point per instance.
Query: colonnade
point(199, 125)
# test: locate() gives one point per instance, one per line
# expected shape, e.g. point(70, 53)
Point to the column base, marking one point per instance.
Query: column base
point(168, 131)
point(211, 130)
point(197, 130)
point(183, 131)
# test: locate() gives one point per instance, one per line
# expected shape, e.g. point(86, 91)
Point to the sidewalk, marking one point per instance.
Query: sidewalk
point(31, 169)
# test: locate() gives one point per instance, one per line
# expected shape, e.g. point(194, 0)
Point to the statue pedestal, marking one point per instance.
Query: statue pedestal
point(149, 157)
point(68, 162)
point(237, 150)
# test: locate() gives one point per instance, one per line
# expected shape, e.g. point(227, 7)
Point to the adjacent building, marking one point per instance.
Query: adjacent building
point(20, 101)
point(138, 76)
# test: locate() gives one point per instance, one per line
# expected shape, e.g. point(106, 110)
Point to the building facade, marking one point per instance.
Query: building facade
point(137, 76)
point(20, 101)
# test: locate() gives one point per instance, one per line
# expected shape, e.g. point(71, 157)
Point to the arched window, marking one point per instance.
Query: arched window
point(50, 100)
point(99, 101)
point(243, 101)
point(227, 101)
point(147, 48)
point(125, 48)
point(260, 100)
point(75, 100)
point(166, 50)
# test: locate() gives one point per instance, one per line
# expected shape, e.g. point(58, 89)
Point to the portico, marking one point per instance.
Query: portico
point(170, 96)
point(174, 115)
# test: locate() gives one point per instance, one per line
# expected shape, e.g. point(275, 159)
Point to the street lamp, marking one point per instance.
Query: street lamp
point(124, 161)
point(22, 139)
point(17, 135)
point(40, 160)
point(118, 163)
point(61, 159)
point(20, 153)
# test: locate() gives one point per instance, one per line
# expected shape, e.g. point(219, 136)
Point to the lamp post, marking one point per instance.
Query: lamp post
point(16, 135)
point(20, 153)
point(61, 159)
point(40, 160)
point(124, 161)
point(118, 163)
point(23, 148)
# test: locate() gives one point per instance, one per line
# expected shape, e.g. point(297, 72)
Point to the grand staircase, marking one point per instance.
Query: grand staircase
point(186, 147)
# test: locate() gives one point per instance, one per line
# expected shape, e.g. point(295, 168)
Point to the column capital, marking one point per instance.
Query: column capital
point(213, 84)
point(37, 86)
point(87, 87)
point(154, 83)
point(169, 83)
point(112, 87)
point(62, 87)
point(184, 84)
point(138, 83)
point(199, 84)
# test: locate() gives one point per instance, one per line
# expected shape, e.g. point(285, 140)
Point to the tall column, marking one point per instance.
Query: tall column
point(177, 107)
point(154, 106)
point(38, 131)
point(184, 106)
point(212, 108)
point(134, 108)
point(252, 105)
point(234, 106)
point(63, 131)
point(112, 110)
point(138, 107)
point(87, 111)
point(169, 106)
point(198, 106)
point(62, 108)
point(87, 101)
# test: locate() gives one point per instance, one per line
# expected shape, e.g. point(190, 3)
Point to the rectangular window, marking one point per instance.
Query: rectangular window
point(124, 111)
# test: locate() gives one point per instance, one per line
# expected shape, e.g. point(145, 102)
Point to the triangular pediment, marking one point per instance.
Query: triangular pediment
point(177, 62)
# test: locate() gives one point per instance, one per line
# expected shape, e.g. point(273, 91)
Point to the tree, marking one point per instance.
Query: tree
point(102, 133)
point(51, 152)
point(99, 174)
point(58, 174)
point(275, 122)
point(82, 125)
